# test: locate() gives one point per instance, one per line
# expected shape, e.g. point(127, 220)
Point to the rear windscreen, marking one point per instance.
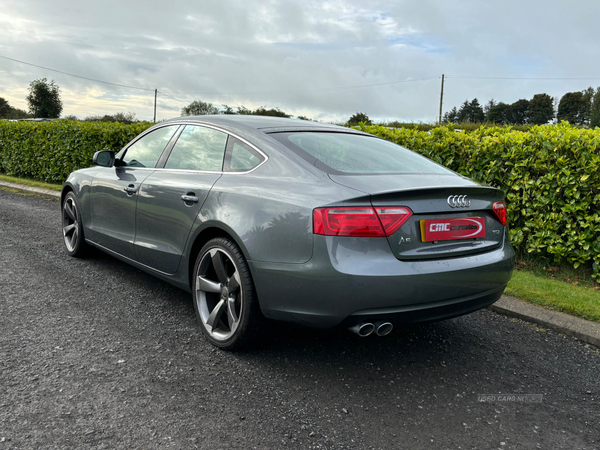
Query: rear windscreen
point(356, 154)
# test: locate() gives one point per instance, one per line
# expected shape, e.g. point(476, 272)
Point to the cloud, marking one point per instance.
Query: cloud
point(294, 55)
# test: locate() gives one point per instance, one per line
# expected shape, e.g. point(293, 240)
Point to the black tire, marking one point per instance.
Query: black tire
point(224, 296)
point(72, 228)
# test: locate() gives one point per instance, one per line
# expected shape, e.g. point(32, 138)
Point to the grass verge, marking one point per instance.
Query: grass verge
point(33, 183)
point(574, 299)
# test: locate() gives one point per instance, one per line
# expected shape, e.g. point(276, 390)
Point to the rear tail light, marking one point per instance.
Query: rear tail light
point(392, 218)
point(499, 209)
point(359, 221)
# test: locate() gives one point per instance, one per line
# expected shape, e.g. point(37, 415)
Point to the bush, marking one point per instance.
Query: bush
point(49, 151)
point(551, 173)
point(463, 126)
point(551, 176)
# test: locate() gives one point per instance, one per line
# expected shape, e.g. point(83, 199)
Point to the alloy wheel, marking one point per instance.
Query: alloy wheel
point(219, 296)
point(70, 224)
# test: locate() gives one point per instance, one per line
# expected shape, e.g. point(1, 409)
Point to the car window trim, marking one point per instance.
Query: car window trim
point(229, 152)
point(162, 163)
point(189, 122)
point(169, 148)
point(237, 136)
point(124, 150)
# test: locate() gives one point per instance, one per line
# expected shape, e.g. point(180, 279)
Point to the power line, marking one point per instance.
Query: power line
point(303, 91)
point(291, 92)
point(467, 77)
point(173, 98)
point(77, 76)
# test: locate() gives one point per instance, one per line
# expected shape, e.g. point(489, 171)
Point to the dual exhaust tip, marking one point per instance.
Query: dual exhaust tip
point(365, 329)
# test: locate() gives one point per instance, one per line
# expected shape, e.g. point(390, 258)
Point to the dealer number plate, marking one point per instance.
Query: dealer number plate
point(451, 229)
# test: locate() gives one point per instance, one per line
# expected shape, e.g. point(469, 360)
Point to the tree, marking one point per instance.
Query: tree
point(489, 105)
point(588, 96)
point(276, 112)
point(451, 116)
point(228, 110)
point(476, 112)
point(126, 118)
point(471, 111)
point(498, 113)
point(44, 99)
point(572, 108)
point(93, 118)
point(518, 112)
point(595, 114)
point(260, 111)
point(70, 117)
point(16, 113)
point(541, 109)
point(199, 108)
point(359, 117)
point(464, 112)
point(4, 108)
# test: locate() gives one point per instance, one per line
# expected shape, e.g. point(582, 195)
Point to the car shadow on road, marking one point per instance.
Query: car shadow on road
point(458, 342)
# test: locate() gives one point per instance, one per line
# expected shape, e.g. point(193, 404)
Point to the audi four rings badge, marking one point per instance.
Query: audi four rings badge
point(458, 201)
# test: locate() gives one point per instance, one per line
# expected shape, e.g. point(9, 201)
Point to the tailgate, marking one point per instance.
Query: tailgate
point(455, 210)
point(446, 222)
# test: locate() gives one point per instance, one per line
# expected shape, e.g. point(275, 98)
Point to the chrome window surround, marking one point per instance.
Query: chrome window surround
point(184, 122)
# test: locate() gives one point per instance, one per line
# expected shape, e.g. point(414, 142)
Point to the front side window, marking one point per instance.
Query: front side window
point(198, 148)
point(146, 151)
point(345, 153)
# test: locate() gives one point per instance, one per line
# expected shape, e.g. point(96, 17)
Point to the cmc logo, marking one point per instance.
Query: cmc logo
point(439, 227)
point(457, 228)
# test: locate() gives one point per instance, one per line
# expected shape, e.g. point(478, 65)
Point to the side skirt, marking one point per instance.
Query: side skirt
point(169, 278)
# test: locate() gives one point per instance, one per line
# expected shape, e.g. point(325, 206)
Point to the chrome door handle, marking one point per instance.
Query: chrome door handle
point(190, 198)
point(131, 189)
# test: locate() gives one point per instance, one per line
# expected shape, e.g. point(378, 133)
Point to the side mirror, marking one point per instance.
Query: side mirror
point(104, 158)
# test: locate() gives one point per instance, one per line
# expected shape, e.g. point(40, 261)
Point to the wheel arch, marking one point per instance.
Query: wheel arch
point(67, 187)
point(208, 232)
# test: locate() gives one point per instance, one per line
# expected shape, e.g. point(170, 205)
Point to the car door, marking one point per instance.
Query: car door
point(113, 193)
point(171, 197)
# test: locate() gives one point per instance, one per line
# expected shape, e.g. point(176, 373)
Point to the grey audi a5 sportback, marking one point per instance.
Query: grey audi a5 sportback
point(295, 221)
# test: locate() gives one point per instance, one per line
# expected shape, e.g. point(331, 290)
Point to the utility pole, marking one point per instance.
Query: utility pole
point(156, 92)
point(441, 98)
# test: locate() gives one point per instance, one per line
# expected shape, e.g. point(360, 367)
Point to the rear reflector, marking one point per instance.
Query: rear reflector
point(499, 209)
point(359, 221)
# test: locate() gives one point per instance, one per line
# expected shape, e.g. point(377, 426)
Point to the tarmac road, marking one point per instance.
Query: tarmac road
point(97, 354)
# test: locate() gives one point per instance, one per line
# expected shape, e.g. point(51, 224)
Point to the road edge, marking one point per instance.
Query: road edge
point(584, 330)
point(36, 190)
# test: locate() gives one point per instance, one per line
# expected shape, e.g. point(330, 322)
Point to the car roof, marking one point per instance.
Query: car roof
point(265, 124)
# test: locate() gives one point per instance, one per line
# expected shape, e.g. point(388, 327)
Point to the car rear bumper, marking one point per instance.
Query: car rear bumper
point(349, 280)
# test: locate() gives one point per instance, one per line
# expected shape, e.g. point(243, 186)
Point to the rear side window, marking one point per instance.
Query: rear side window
point(145, 151)
point(345, 153)
point(241, 157)
point(198, 148)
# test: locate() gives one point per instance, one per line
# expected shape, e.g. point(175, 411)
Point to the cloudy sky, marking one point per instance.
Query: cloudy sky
point(322, 59)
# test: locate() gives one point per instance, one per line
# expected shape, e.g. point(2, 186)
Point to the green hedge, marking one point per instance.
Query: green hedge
point(551, 176)
point(49, 151)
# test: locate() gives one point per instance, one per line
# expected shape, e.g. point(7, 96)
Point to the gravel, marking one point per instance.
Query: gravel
point(97, 354)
